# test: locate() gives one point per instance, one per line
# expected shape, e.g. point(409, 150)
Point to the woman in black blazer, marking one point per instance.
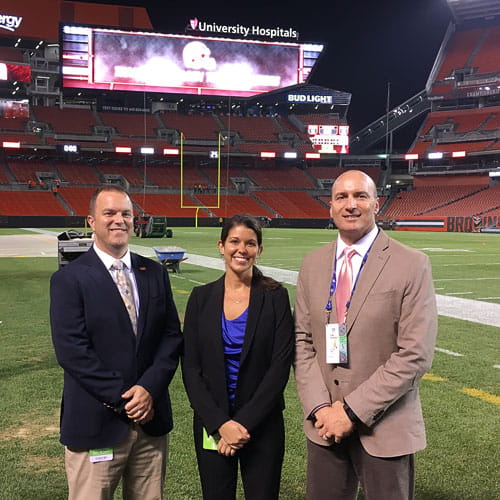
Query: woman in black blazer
point(239, 339)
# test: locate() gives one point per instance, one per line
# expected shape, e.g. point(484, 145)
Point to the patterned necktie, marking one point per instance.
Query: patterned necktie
point(125, 288)
point(344, 283)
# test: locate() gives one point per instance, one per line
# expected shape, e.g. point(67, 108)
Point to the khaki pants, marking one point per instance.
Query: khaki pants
point(139, 460)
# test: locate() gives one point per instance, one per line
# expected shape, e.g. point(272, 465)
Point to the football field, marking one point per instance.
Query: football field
point(460, 395)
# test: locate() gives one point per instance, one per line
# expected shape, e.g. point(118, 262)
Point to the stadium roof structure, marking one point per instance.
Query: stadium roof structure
point(467, 10)
point(300, 97)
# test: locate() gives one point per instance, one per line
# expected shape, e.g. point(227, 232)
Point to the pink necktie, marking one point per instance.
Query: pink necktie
point(344, 283)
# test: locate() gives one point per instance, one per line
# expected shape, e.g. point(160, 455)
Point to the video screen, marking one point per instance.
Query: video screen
point(15, 72)
point(329, 138)
point(14, 109)
point(123, 60)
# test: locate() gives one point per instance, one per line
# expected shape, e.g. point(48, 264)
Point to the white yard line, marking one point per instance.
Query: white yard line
point(485, 313)
point(446, 351)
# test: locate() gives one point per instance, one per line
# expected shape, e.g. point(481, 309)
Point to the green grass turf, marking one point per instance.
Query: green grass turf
point(462, 458)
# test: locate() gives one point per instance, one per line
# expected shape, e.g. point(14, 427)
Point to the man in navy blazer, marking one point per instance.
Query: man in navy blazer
point(115, 412)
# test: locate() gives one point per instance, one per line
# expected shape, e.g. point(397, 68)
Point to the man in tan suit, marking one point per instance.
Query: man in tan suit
point(362, 414)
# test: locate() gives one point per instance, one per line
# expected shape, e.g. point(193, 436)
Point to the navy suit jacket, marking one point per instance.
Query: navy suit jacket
point(265, 360)
point(102, 358)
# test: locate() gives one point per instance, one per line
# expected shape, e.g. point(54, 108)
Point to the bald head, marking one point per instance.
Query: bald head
point(359, 176)
point(354, 205)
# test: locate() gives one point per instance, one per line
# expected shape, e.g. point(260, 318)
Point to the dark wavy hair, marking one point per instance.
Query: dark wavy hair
point(252, 223)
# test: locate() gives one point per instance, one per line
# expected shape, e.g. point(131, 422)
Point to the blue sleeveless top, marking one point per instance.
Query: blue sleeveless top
point(233, 335)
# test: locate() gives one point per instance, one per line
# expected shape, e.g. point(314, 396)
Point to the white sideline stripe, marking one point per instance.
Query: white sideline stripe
point(485, 313)
point(496, 366)
point(446, 351)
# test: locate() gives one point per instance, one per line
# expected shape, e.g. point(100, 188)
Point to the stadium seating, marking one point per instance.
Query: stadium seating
point(334, 172)
point(282, 177)
point(423, 199)
point(4, 178)
point(232, 204)
point(132, 174)
point(13, 124)
point(476, 203)
point(168, 205)
point(192, 126)
point(30, 203)
point(25, 170)
point(273, 147)
point(78, 173)
point(169, 175)
point(293, 204)
point(257, 128)
point(66, 120)
point(486, 60)
point(459, 50)
point(77, 198)
point(138, 125)
point(25, 139)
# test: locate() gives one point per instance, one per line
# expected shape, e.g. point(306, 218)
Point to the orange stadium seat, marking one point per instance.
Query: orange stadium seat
point(256, 128)
point(25, 170)
point(458, 51)
point(233, 204)
point(168, 205)
point(30, 203)
point(282, 177)
point(138, 125)
point(423, 199)
point(169, 175)
point(66, 120)
point(132, 174)
point(488, 56)
point(192, 126)
point(473, 204)
point(77, 173)
point(77, 198)
point(293, 204)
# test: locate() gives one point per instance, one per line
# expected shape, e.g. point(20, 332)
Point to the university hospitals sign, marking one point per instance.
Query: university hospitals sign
point(238, 29)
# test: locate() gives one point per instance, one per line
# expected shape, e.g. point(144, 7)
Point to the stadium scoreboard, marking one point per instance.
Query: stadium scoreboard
point(111, 59)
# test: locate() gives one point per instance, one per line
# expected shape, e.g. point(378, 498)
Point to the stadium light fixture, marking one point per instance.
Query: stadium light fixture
point(11, 145)
point(458, 154)
point(290, 154)
point(146, 150)
point(171, 151)
point(411, 156)
point(123, 149)
point(435, 156)
point(313, 156)
point(267, 154)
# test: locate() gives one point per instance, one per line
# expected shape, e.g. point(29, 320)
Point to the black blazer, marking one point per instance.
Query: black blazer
point(102, 358)
point(265, 359)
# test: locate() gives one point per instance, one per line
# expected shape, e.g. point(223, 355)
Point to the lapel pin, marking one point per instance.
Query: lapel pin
point(142, 269)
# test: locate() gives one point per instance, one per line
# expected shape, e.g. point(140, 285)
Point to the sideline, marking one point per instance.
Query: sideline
point(476, 311)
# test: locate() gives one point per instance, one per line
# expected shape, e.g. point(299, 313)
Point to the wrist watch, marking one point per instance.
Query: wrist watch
point(352, 416)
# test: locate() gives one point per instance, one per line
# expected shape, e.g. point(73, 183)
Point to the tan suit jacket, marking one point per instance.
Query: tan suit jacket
point(391, 325)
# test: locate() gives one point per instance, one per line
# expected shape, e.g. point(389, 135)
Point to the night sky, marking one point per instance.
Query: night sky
point(368, 42)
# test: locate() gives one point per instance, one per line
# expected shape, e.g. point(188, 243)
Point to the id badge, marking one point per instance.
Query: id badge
point(101, 455)
point(209, 442)
point(336, 343)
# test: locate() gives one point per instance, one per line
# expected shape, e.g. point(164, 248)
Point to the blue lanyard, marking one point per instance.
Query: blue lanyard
point(333, 284)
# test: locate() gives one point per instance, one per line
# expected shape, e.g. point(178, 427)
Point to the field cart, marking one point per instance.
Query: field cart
point(170, 257)
point(148, 226)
